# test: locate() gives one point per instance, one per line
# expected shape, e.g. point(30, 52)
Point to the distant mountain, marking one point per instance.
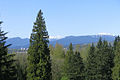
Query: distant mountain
point(18, 42)
point(82, 39)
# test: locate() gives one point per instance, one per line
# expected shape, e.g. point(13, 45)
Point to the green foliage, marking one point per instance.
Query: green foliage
point(77, 48)
point(100, 62)
point(117, 39)
point(104, 58)
point(7, 67)
point(57, 69)
point(21, 62)
point(51, 50)
point(58, 51)
point(91, 64)
point(39, 63)
point(84, 52)
point(65, 78)
point(74, 67)
point(10, 68)
point(116, 68)
point(57, 55)
point(78, 67)
point(68, 62)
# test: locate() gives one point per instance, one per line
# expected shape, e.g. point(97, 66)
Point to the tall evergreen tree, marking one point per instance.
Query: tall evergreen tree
point(74, 66)
point(10, 68)
point(108, 57)
point(117, 39)
point(7, 67)
point(39, 63)
point(104, 61)
point(77, 67)
point(91, 64)
point(116, 68)
point(68, 62)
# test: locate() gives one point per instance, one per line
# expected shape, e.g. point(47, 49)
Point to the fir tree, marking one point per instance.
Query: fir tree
point(107, 60)
point(116, 68)
point(74, 67)
point(10, 68)
point(117, 39)
point(91, 64)
point(68, 62)
point(7, 67)
point(104, 61)
point(78, 67)
point(39, 63)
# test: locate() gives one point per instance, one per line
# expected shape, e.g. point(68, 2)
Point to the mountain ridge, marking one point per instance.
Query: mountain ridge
point(18, 42)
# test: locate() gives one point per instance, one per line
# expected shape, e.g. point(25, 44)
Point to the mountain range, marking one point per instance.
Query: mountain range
point(18, 42)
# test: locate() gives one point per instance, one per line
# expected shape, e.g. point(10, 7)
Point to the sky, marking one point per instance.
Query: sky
point(62, 17)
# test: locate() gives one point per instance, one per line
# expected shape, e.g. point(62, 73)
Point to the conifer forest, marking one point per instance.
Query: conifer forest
point(43, 61)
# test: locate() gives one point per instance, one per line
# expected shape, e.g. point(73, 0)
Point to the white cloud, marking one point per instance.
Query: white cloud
point(56, 37)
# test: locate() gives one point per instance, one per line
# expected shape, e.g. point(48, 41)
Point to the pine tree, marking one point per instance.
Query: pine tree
point(78, 67)
point(74, 67)
point(98, 60)
point(104, 61)
point(7, 67)
point(68, 62)
point(116, 68)
point(115, 73)
point(10, 68)
point(39, 63)
point(117, 39)
point(1, 54)
point(108, 57)
point(91, 64)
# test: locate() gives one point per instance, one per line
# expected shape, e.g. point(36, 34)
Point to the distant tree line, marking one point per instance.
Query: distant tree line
point(99, 61)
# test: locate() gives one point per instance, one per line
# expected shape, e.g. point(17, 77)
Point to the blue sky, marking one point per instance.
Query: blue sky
point(63, 17)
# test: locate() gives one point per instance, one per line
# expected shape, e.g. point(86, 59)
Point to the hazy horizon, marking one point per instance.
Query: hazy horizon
point(60, 37)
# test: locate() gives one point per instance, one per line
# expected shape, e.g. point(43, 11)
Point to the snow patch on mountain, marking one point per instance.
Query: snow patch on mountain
point(56, 37)
point(109, 34)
